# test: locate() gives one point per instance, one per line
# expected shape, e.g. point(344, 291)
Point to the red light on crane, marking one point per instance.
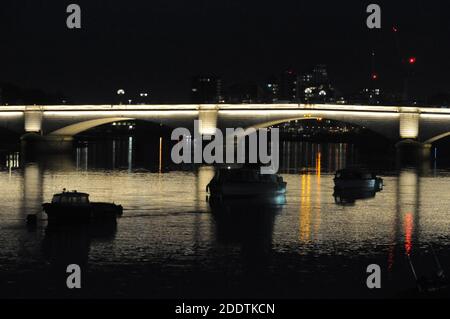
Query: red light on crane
point(374, 76)
point(412, 60)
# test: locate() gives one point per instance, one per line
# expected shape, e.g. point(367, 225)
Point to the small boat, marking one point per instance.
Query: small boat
point(75, 206)
point(346, 179)
point(245, 182)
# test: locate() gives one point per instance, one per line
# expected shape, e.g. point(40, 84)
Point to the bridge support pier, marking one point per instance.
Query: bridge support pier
point(412, 152)
point(47, 144)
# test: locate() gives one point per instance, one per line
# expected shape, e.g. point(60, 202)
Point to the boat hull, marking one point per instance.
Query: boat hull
point(246, 189)
point(375, 184)
point(85, 213)
point(350, 196)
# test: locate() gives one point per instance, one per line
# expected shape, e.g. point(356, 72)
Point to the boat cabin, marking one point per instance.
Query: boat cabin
point(244, 175)
point(71, 198)
point(234, 175)
point(348, 174)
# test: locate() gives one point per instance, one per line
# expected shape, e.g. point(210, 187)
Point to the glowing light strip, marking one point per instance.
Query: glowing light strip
point(313, 113)
point(435, 110)
point(12, 108)
point(168, 108)
point(118, 114)
point(311, 107)
point(11, 114)
point(435, 116)
point(139, 107)
point(130, 107)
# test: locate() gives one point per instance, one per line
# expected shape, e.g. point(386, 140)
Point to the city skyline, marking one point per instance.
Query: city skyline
point(159, 47)
point(312, 86)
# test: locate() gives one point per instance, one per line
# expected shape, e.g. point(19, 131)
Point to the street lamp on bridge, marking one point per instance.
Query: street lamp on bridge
point(143, 96)
point(120, 93)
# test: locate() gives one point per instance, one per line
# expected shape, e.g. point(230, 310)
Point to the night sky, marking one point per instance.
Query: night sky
point(158, 45)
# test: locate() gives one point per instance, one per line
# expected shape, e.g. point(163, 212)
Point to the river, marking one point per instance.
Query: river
point(172, 243)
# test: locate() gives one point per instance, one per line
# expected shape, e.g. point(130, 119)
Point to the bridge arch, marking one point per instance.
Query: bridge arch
point(381, 133)
point(437, 138)
point(80, 127)
point(382, 137)
point(384, 123)
point(69, 123)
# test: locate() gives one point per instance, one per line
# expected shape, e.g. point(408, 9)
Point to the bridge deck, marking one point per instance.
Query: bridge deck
point(220, 107)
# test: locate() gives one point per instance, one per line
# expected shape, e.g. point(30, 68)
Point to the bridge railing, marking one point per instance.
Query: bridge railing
point(197, 107)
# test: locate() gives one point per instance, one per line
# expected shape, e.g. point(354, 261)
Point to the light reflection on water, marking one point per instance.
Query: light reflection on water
point(169, 225)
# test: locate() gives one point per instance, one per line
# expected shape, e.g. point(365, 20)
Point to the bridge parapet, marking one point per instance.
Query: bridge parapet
point(409, 123)
point(33, 116)
point(208, 121)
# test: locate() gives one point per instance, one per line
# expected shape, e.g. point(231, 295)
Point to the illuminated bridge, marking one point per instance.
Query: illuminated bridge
point(62, 122)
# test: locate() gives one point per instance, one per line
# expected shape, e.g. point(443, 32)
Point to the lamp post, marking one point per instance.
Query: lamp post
point(409, 73)
point(120, 93)
point(143, 96)
point(323, 94)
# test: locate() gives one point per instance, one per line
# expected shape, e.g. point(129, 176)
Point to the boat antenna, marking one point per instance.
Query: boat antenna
point(419, 287)
point(440, 270)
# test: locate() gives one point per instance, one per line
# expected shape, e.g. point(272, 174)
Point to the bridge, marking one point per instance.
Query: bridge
point(62, 122)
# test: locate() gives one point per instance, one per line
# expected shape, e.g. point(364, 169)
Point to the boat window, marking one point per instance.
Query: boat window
point(82, 200)
point(76, 199)
point(56, 199)
point(64, 200)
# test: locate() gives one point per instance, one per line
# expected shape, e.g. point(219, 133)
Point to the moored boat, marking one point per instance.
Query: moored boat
point(75, 206)
point(347, 179)
point(245, 182)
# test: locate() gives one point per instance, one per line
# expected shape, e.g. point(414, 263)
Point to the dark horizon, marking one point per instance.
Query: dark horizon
point(158, 47)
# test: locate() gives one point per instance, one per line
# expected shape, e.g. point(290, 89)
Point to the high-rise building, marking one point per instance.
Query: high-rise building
point(315, 87)
point(288, 90)
point(320, 74)
point(206, 89)
point(271, 90)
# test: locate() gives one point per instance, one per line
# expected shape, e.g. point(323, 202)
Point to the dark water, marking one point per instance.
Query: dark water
point(172, 243)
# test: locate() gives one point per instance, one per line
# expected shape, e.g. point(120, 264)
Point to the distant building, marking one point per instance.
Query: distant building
point(244, 93)
point(441, 99)
point(372, 96)
point(320, 74)
point(288, 88)
point(206, 89)
point(315, 128)
point(11, 94)
point(315, 87)
point(368, 96)
point(271, 90)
